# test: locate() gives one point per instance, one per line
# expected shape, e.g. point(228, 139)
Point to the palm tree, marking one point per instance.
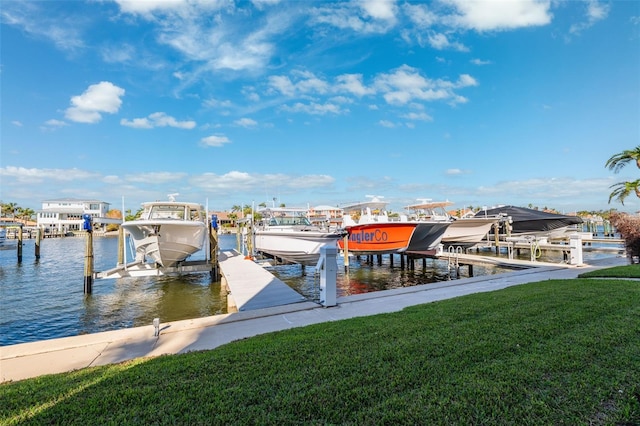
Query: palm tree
point(618, 161)
point(9, 208)
point(26, 213)
point(622, 190)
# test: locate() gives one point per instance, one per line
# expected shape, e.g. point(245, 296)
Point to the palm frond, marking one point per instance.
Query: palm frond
point(622, 190)
point(618, 161)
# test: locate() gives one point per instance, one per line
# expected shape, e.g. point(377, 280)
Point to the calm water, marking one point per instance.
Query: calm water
point(44, 299)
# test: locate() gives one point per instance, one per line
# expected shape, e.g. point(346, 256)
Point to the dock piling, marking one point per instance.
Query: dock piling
point(88, 257)
point(38, 241)
point(213, 247)
point(20, 244)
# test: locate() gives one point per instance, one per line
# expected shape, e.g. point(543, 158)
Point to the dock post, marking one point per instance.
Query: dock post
point(345, 252)
point(328, 276)
point(20, 244)
point(38, 241)
point(213, 246)
point(120, 245)
point(88, 256)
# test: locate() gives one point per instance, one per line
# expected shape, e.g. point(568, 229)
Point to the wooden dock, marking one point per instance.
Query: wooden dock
point(251, 286)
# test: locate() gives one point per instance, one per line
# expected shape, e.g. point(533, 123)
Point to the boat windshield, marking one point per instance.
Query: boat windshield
point(160, 211)
point(289, 220)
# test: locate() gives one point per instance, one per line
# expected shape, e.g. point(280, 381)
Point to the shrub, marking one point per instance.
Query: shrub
point(629, 228)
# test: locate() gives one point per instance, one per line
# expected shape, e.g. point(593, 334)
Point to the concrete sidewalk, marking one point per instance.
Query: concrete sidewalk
point(27, 360)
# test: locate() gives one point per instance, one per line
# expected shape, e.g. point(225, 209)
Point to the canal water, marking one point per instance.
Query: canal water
point(43, 298)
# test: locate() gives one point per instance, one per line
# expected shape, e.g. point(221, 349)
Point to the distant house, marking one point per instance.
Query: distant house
point(322, 214)
point(224, 221)
point(65, 214)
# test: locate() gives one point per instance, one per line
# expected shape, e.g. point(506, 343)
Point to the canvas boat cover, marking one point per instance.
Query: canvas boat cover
point(530, 220)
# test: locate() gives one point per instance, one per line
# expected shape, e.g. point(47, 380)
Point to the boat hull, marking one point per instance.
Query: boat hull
point(393, 237)
point(294, 245)
point(469, 231)
point(523, 221)
point(166, 243)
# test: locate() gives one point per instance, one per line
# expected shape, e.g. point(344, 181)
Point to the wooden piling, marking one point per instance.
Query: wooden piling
point(20, 244)
point(38, 241)
point(345, 252)
point(120, 245)
point(213, 251)
point(88, 263)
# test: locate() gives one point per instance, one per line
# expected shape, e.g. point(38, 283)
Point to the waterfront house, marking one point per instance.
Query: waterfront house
point(64, 215)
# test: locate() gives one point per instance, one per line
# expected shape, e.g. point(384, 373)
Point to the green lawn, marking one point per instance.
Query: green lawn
point(558, 352)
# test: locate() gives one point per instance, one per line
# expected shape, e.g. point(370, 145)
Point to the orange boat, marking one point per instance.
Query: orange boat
point(375, 233)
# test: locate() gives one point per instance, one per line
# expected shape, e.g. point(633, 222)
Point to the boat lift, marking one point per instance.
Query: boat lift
point(144, 269)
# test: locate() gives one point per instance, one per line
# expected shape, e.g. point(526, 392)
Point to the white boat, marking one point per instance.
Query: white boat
point(287, 234)
point(525, 222)
point(464, 231)
point(168, 232)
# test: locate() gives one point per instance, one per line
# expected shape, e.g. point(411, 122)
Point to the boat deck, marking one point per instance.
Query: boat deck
point(251, 286)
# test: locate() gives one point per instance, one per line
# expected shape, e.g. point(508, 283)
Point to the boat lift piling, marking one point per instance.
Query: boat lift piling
point(38, 242)
point(88, 257)
point(20, 244)
point(213, 247)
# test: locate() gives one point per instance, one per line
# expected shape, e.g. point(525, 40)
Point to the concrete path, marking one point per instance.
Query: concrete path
point(27, 360)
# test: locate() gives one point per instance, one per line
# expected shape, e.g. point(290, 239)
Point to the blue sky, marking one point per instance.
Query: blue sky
point(314, 102)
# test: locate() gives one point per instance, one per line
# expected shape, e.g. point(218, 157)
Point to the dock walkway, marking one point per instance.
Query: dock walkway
point(251, 286)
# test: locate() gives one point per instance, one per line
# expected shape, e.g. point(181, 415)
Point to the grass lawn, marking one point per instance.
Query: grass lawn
point(557, 352)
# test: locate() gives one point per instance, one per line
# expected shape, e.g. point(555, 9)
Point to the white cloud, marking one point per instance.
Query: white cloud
point(314, 108)
point(155, 177)
point(596, 11)
point(246, 122)
point(215, 141)
point(405, 84)
point(387, 123)
point(364, 16)
point(17, 123)
point(55, 123)
point(440, 41)
point(33, 175)
point(453, 172)
point(417, 116)
point(235, 181)
point(146, 7)
point(420, 14)
point(492, 15)
point(157, 119)
point(379, 9)
point(118, 54)
point(477, 61)
point(65, 32)
point(352, 83)
point(100, 98)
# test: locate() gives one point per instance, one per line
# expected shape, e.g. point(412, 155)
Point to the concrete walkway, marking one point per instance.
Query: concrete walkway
point(27, 360)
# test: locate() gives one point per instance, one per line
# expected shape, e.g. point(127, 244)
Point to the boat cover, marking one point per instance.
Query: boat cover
point(530, 220)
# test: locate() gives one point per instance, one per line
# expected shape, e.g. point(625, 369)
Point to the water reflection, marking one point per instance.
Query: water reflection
point(44, 299)
point(366, 277)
